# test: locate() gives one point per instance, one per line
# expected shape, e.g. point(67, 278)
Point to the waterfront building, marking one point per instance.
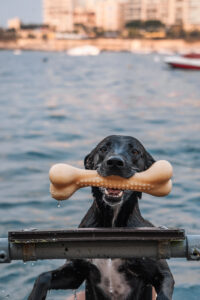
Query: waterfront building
point(109, 15)
point(134, 10)
point(185, 13)
point(178, 12)
point(144, 10)
point(14, 23)
point(90, 5)
point(58, 14)
point(170, 12)
point(164, 8)
point(193, 21)
point(84, 17)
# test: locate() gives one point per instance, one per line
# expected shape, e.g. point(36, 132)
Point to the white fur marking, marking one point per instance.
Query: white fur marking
point(113, 283)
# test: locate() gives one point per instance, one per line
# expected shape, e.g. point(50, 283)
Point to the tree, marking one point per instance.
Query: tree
point(134, 24)
point(153, 23)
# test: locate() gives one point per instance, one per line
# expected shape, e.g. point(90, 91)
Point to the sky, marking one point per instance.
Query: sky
point(29, 11)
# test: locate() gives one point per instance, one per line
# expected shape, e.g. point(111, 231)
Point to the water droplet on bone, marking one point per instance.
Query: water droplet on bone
point(58, 204)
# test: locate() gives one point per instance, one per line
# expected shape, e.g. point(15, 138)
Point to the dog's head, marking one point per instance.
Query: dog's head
point(118, 155)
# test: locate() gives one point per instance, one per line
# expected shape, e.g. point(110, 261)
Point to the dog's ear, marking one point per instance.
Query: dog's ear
point(89, 161)
point(149, 160)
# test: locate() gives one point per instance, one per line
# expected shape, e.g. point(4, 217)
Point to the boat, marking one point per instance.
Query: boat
point(84, 51)
point(17, 52)
point(183, 62)
point(192, 55)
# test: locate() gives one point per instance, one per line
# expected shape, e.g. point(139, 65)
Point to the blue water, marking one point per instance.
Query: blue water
point(56, 111)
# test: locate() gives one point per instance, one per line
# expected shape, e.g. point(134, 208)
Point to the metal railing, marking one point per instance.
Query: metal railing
point(30, 245)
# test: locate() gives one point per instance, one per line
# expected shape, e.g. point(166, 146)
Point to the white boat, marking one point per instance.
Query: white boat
point(83, 51)
point(183, 62)
point(17, 52)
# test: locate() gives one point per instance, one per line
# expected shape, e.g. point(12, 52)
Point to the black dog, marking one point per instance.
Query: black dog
point(116, 279)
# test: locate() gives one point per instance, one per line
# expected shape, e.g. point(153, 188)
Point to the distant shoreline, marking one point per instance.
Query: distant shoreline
point(104, 44)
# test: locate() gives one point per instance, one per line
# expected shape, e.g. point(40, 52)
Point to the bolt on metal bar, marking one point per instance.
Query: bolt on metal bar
point(99, 243)
point(4, 251)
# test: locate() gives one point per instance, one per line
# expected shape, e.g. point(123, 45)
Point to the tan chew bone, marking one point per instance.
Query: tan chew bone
point(65, 180)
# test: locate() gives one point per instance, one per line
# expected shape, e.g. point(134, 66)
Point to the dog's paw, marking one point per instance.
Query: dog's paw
point(162, 296)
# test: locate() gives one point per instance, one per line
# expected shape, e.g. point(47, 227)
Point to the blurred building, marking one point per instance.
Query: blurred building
point(14, 23)
point(84, 17)
point(90, 4)
point(142, 10)
point(185, 13)
point(58, 14)
point(169, 12)
point(193, 21)
point(177, 12)
point(109, 15)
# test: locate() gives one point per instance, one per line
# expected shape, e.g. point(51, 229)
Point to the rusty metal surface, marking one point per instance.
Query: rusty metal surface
point(164, 249)
point(29, 252)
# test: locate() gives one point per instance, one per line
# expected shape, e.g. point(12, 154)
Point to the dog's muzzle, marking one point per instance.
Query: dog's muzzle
point(112, 196)
point(114, 165)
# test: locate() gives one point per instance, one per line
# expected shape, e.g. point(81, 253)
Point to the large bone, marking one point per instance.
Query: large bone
point(65, 180)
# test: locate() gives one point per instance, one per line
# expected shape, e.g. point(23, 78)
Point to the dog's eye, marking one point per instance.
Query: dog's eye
point(135, 152)
point(103, 149)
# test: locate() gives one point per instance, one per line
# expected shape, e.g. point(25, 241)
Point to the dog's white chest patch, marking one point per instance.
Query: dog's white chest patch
point(113, 283)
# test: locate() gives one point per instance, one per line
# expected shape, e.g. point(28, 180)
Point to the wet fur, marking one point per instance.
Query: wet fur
point(117, 279)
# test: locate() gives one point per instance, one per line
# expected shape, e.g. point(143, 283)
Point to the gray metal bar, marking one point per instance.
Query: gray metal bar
point(100, 234)
point(100, 246)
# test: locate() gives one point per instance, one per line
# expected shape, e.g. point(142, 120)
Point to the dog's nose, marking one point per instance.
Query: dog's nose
point(115, 161)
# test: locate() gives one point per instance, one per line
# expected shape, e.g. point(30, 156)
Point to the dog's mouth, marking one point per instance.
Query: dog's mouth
point(113, 193)
point(112, 196)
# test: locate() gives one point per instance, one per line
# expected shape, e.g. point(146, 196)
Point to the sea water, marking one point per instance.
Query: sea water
point(57, 109)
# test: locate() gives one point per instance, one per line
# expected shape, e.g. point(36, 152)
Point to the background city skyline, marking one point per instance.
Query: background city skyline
point(28, 11)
